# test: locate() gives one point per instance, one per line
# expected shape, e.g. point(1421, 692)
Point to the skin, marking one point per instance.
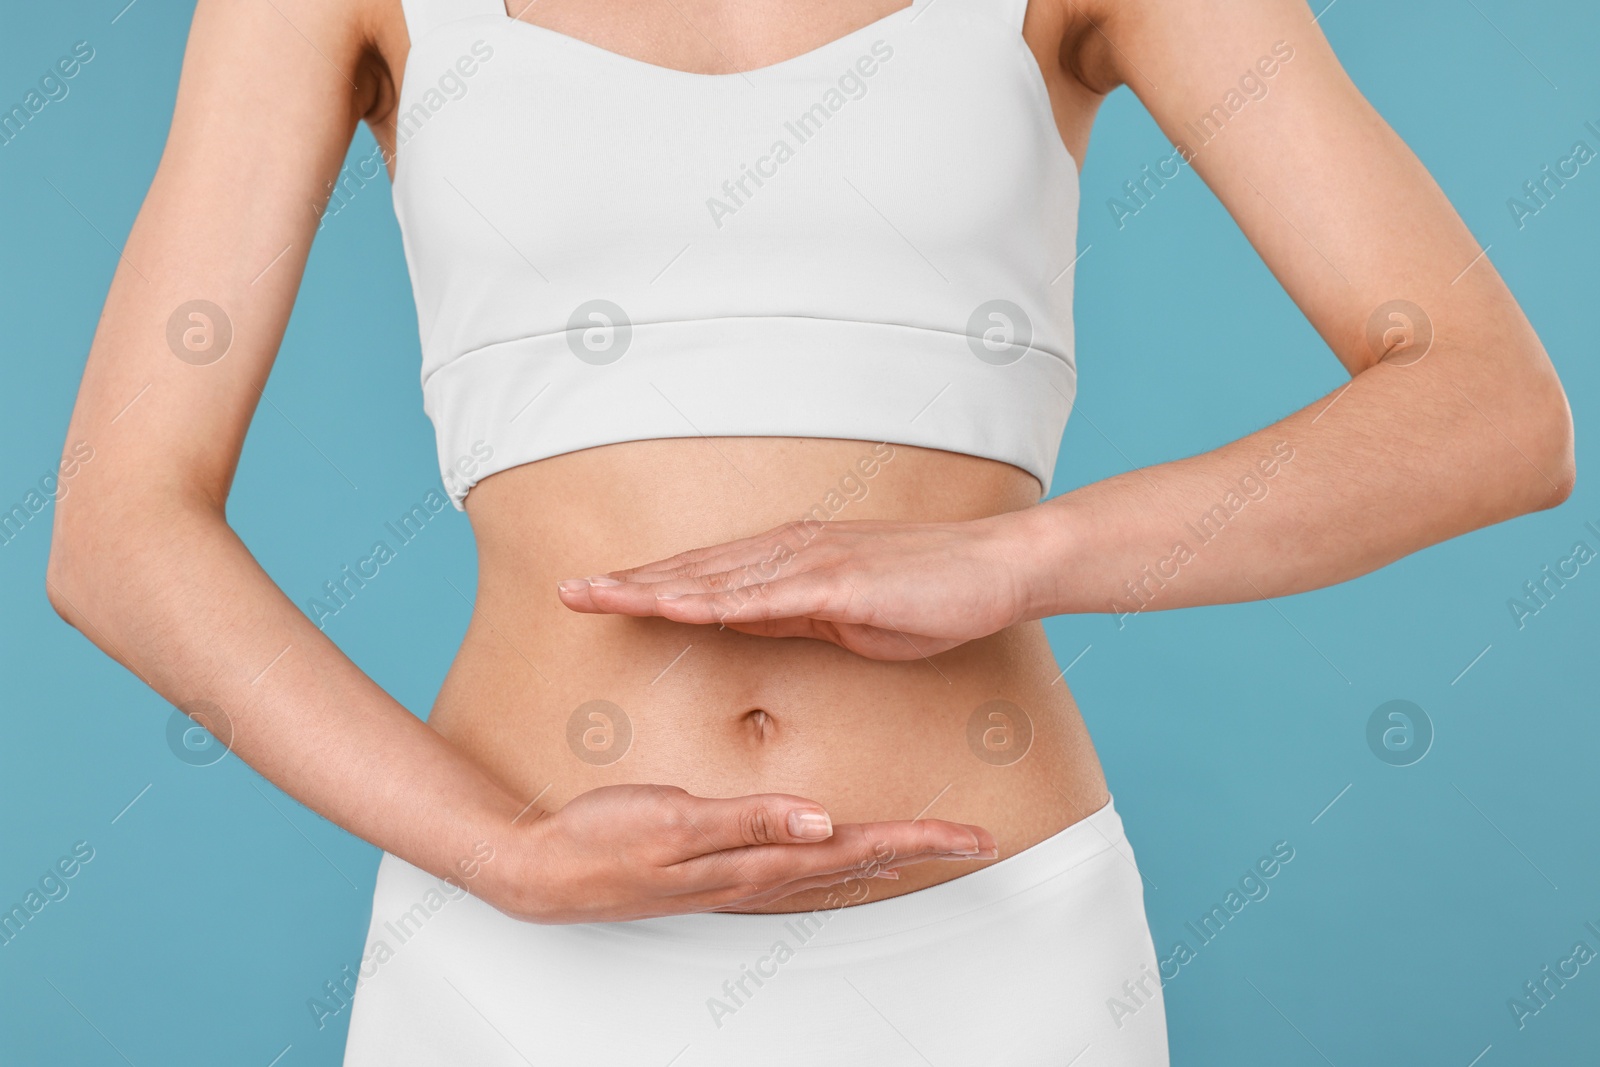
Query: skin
point(838, 676)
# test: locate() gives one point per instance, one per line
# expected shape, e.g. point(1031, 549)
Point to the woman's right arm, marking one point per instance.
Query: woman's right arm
point(143, 561)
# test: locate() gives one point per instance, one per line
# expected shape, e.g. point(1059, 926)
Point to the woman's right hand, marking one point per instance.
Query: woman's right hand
point(625, 852)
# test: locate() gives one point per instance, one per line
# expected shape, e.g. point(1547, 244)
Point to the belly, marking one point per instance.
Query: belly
point(554, 703)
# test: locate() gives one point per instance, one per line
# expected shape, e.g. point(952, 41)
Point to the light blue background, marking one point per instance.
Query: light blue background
point(1414, 907)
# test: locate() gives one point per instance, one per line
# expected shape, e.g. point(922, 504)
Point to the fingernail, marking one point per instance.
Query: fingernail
point(600, 579)
point(810, 825)
point(572, 585)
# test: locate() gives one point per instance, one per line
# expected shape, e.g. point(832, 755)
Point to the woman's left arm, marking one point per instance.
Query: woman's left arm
point(1453, 418)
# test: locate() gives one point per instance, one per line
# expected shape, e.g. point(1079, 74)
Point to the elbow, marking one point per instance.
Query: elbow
point(109, 540)
point(58, 576)
point(1551, 468)
point(81, 556)
point(1560, 475)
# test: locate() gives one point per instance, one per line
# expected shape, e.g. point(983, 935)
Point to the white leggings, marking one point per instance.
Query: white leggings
point(1018, 963)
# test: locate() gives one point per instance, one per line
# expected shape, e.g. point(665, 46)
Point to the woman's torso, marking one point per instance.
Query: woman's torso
point(554, 703)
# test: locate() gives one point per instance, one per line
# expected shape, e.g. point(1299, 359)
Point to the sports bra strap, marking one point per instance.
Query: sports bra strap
point(423, 16)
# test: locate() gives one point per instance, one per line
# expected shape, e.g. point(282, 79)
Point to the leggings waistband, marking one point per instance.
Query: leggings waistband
point(1098, 835)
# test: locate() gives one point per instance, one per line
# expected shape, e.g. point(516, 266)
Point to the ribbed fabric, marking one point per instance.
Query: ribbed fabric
point(870, 241)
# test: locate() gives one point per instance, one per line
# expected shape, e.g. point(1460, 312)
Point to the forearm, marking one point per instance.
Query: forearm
point(1399, 459)
point(175, 596)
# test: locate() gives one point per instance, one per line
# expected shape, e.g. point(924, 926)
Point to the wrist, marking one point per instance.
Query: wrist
point(1035, 545)
point(495, 855)
point(514, 878)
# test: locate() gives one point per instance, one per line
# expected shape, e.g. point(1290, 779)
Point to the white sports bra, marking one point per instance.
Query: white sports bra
point(872, 240)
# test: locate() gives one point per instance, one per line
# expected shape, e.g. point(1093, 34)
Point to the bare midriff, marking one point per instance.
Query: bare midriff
point(553, 702)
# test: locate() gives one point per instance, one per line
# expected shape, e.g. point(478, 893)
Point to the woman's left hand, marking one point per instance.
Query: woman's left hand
point(884, 590)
